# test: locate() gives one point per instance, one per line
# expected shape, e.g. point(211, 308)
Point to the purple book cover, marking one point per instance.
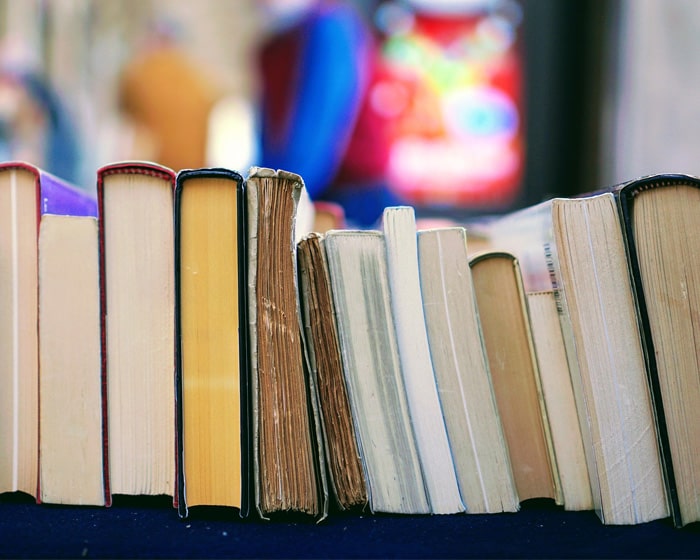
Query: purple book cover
point(59, 197)
point(55, 195)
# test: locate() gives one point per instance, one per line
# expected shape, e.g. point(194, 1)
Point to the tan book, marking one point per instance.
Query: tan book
point(138, 282)
point(286, 466)
point(211, 327)
point(360, 287)
point(326, 369)
point(461, 370)
point(515, 374)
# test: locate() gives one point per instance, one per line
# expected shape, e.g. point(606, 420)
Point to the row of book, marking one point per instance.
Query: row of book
point(188, 334)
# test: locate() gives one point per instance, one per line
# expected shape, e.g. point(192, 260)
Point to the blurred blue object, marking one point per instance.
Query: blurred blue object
point(61, 153)
point(314, 74)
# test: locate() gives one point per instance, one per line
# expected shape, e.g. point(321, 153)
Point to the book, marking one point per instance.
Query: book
point(461, 369)
point(61, 458)
point(72, 441)
point(136, 211)
point(425, 409)
point(287, 468)
point(346, 475)
point(527, 234)
point(558, 395)
point(514, 370)
point(211, 358)
point(372, 369)
point(588, 259)
point(660, 221)
point(19, 342)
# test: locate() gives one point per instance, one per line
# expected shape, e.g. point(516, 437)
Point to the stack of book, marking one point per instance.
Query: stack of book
point(188, 334)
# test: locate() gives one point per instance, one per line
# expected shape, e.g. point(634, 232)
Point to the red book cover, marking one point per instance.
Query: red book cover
point(134, 398)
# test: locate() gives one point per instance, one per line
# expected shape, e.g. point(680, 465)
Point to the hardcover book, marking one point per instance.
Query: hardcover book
point(136, 212)
point(211, 330)
point(660, 215)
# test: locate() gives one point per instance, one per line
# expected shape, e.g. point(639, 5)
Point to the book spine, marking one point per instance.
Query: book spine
point(180, 487)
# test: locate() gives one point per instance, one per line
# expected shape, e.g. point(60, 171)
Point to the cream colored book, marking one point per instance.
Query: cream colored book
point(599, 305)
point(438, 467)
point(137, 236)
point(461, 369)
point(71, 443)
point(361, 295)
point(19, 341)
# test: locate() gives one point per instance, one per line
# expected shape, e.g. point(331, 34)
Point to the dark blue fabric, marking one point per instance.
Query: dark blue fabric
point(149, 528)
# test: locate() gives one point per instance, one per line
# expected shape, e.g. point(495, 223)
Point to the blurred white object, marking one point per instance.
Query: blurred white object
point(232, 141)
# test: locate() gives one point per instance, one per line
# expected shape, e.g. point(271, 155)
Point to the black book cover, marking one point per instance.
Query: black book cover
point(626, 195)
point(246, 478)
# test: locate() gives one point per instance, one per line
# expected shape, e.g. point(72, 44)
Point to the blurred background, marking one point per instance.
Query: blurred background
point(456, 107)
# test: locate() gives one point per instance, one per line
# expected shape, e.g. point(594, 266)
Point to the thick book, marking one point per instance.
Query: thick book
point(515, 373)
point(346, 475)
point(399, 225)
point(372, 369)
point(54, 427)
point(136, 213)
point(660, 217)
point(211, 327)
point(462, 374)
point(589, 261)
point(288, 467)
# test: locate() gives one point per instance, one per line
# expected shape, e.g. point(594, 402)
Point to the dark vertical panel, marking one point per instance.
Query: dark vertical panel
point(564, 44)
